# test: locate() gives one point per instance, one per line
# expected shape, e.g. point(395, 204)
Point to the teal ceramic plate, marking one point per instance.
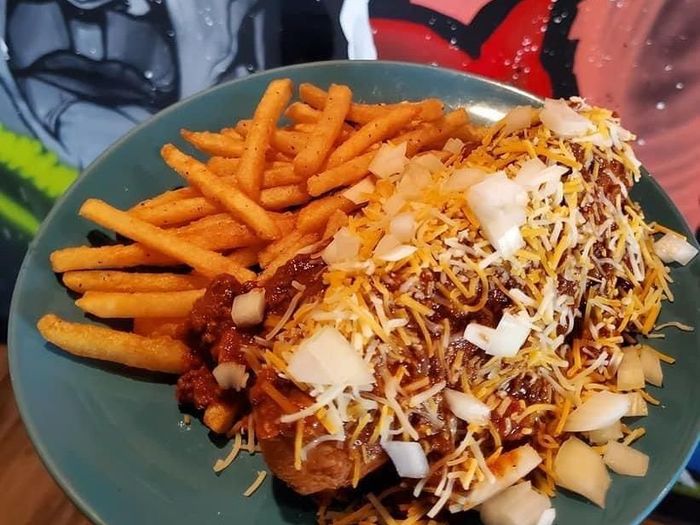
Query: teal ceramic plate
point(114, 439)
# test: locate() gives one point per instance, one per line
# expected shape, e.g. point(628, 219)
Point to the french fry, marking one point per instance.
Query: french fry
point(114, 281)
point(158, 354)
point(118, 305)
point(165, 198)
point(272, 250)
point(267, 113)
point(175, 212)
point(228, 197)
point(314, 216)
point(205, 262)
point(289, 142)
point(160, 326)
point(432, 134)
point(231, 132)
point(283, 197)
point(336, 221)
point(302, 113)
point(223, 166)
point(219, 416)
point(428, 109)
point(343, 175)
point(371, 133)
point(245, 257)
point(216, 232)
point(116, 256)
point(281, 176)
point(287, 253)
point(327, 130)
point(214, 143)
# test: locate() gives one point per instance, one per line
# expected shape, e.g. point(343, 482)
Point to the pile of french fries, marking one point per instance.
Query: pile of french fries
point(264, 194)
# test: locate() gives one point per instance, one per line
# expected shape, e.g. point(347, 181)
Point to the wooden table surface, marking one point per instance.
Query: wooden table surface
point(28, 494)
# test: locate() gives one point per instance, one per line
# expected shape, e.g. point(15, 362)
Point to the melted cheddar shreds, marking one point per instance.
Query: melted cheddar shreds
point(584, 279)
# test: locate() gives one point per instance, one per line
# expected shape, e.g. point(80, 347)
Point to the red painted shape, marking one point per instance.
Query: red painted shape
point(510, 54)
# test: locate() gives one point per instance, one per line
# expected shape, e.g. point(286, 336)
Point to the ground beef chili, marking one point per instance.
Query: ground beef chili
point(214, 338)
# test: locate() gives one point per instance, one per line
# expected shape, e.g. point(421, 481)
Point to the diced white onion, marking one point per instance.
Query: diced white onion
point(403, 226)
point(564, 121)
point(390, 249)
point(464, 178)
point(651, 366)
point(327, 358)
point(408, 458)
point(499, 205)
point(510, 335)
point(414, 179)
point(231, 375)
point(580, 469)
point(638, 405)
point(429, 162)
point(453, 145)
point(531, 180)
point(626, 460)
point(508, 469)
point(516, 505)
point(547, 517)
point(467, 407)
point(393, 204)
point(389, 160)
point(520, 117)
point(605, 434)
point(672, 248)
point(630, 375)
point(478, 335)
point(343, 248)
point(600, 410)
point(359, 193)
point(248, 309)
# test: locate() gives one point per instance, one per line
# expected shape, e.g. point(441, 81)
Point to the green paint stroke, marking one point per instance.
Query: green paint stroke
point(37, 168)
point(17, 216)
point(30, 161)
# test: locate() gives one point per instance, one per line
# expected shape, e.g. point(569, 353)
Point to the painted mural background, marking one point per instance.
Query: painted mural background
point(77, 74)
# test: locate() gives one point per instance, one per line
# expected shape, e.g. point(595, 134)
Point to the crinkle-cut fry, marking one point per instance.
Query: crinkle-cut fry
point(214, 143)
point(177, 212)
point(245, 257)
point(344, 175)
point(160, 326)
point(283, 197)
point(205, 262)
point(428, 109)
point(336, 221)
point(219, 416)
point(115, 281)
point(371, 133)
point(158, 354)
point(304, 240)
point(314, 216)
point(268, 112)
point(166, 198)
point(121, 305)
point(326, 132)
point(432, 134)
point(228, 197)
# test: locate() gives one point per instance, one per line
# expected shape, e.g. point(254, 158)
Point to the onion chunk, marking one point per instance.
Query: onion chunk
point(516, 505)
point(467, 407)
point(600, 410)
point(626, 460)
point(408, 458)
point(580, 469)
point(248, 309)
point(672, 248)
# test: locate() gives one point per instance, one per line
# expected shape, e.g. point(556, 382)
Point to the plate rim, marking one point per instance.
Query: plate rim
point(38, 442)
